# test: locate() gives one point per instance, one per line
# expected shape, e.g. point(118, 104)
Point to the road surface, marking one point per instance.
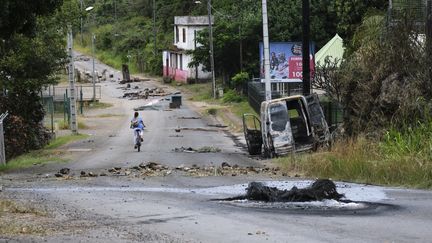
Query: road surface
point(171, 204)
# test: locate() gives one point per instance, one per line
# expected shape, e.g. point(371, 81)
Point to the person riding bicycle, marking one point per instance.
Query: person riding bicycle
point(137, 124)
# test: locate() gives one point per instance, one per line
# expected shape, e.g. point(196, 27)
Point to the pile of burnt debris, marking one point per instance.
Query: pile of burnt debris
point(319, 190)
point(205, 149)
point(154, 169)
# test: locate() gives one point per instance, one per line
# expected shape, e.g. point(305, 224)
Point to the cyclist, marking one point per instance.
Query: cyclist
point(138, 125)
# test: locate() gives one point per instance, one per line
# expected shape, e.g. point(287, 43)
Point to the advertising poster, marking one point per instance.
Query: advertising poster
point(286, 61)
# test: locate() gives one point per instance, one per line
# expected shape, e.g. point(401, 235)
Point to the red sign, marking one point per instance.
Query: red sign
point(296, 67)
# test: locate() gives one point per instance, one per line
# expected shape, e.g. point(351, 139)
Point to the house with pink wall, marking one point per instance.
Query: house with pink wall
point(175, 60)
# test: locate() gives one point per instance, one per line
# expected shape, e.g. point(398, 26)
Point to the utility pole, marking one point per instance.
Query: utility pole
point(93, 69)
point(154, 27)
point(266, 51)
point(306, 48)
point(115, 10)
point(81, 22)
point(429, 36)
point(211, 48)
point(71, 69)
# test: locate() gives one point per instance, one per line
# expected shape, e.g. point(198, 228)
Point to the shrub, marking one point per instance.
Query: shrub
point(232, 96)
point(239, 80)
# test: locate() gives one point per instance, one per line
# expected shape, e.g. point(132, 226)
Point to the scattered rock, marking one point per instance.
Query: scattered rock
point(250, 233)
point(58, 175)
point(83, 173)
point(64, 171)
point(225, 165)
point(91, 174)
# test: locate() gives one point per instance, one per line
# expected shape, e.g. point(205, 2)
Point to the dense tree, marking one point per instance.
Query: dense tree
point(32, 50)
point(238, 28)
point(385, 83)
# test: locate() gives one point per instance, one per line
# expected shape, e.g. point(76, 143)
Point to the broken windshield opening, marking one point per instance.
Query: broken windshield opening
point(278, 117)
point(297, 120)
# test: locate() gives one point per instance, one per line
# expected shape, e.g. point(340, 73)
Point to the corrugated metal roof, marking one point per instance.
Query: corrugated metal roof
point(333, 49)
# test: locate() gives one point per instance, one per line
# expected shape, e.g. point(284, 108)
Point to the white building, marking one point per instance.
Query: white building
point(176, 61)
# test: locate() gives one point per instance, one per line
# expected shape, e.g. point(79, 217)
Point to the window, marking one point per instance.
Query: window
point(176, 34)
point(181, 61)
point(184, 35)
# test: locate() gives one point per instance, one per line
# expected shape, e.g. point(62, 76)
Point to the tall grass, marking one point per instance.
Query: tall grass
point(401, 158)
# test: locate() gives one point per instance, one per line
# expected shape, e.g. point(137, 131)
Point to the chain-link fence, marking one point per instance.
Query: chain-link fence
point(2, 143)
point(84, 92)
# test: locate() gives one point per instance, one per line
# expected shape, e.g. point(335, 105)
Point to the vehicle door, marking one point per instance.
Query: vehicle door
point(319, 125)
point(252, 132)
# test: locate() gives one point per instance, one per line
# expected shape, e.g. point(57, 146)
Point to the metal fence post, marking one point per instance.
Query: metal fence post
point(81, 101)
point(2, 143)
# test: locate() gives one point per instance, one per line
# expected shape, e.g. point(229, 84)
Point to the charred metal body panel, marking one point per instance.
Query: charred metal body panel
point(289, 124)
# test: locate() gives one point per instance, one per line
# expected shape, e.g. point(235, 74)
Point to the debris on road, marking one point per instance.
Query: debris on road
point(205, 149)
point(183, 149)
point(202, 129)
point(134, 80)
point(319, 190)
point(189, 117)
point(155, 169)
point(64, 171)
point(217, 125)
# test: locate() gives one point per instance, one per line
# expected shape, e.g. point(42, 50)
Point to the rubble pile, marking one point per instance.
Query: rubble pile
point(154, 169)
point(142, 94)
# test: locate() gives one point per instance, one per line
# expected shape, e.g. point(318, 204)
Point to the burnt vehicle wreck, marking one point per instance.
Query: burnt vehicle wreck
point(290, 124)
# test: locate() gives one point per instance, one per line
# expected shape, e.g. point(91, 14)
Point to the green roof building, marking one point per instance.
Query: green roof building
point(334, 50)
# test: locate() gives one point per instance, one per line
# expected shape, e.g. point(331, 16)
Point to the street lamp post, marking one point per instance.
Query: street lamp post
point(88, 9)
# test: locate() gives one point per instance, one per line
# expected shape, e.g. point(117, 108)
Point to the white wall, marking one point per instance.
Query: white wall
point(190, 37)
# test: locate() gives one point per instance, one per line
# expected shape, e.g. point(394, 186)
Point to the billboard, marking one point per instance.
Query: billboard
point(286, 63)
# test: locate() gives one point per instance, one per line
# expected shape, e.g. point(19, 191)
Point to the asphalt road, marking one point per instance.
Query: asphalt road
point(176, 207)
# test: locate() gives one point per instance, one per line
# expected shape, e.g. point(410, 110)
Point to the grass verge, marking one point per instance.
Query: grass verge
point(65, 125)
point(401, 158)
point(230, 113)
point(47, 155)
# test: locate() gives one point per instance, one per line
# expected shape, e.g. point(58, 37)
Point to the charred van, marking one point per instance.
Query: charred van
point(290, 124)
